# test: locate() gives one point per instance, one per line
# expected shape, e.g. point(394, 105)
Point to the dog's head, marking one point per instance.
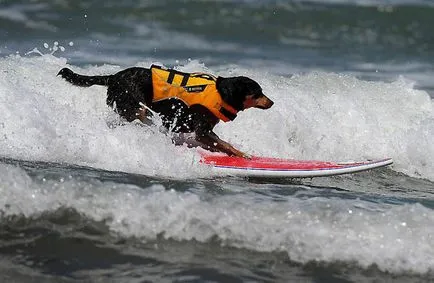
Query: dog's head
point(243, 93)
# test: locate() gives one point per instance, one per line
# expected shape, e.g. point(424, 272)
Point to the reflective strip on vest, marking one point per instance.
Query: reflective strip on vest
point(192, 89)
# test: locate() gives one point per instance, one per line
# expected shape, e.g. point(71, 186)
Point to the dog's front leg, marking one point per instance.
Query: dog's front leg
point(145, 114)
point(213, 142)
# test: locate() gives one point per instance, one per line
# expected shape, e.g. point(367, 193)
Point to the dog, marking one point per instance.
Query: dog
point(186, 102)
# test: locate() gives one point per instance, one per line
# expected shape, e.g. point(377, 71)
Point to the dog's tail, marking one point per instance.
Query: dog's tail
point(80, 80)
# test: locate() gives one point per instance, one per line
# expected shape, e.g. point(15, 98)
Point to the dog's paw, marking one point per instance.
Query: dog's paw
point(247, 156)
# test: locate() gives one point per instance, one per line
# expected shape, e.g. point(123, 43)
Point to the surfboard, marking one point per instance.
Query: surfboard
point(277, 167)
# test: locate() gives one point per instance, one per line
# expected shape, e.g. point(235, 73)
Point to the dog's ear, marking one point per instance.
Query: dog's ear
point(251, 87)
point(234, 90)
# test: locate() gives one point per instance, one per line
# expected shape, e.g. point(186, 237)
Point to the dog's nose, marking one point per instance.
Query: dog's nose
point(264, 103)
point(268, 103)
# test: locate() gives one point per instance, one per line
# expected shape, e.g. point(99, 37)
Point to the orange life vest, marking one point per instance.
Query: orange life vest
point(191, 88)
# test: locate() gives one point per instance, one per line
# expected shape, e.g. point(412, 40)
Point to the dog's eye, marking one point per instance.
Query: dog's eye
point(257, 95)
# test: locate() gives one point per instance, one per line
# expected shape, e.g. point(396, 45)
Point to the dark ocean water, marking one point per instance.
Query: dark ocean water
point(83, 201)
point(372, 39)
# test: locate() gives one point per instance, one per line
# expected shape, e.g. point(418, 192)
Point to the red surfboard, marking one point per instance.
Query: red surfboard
point(278, 167)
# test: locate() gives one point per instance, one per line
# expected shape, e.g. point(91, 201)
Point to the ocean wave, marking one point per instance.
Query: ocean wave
point(321, 116)
point(405, 27)
point(394, 238)
point(337, 36)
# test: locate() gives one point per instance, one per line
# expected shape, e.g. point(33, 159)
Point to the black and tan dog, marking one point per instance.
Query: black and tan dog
point(186, 102)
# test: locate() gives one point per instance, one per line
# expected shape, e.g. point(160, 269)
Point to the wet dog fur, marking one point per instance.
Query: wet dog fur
point(130, 93)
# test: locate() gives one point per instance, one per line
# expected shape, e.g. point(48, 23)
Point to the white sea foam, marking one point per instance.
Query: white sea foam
point(316, 116)
point(394, 238)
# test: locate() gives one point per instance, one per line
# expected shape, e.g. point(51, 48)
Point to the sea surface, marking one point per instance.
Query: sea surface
point(85, 197)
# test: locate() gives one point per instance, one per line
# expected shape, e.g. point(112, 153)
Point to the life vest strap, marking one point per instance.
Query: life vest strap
point(185, 80)
point(171, 77)
point(172, 73)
